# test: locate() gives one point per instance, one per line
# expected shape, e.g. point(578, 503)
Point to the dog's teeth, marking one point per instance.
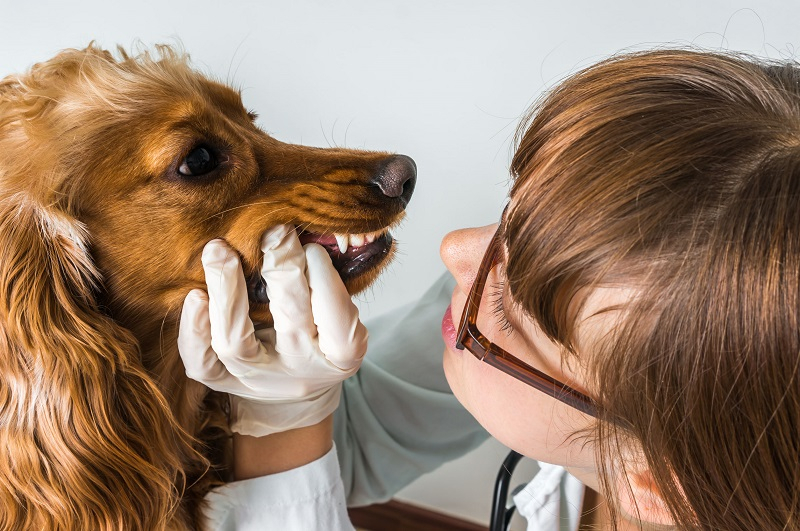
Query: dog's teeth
point(356, 240)
point(370, 237)
point(342, 240)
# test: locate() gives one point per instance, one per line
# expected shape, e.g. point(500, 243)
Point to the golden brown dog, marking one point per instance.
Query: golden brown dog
point(114, 173)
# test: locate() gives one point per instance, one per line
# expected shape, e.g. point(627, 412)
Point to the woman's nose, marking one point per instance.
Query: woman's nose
point(462, 251)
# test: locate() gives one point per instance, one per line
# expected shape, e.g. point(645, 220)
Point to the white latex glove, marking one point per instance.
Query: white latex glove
point(278, 378)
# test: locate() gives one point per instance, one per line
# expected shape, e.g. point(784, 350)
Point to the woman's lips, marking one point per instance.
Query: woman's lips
point(449, 332)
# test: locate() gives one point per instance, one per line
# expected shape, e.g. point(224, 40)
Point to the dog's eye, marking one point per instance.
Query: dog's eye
point(199, 161)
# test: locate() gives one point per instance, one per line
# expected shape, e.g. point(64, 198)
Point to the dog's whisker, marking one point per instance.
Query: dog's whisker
point(247, 205)
point(322, 129)
point(230, 78)
point(305, 226)
point(345, 132)
point(333, 132)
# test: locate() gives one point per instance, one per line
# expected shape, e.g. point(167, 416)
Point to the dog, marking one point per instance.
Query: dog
point(115, 170)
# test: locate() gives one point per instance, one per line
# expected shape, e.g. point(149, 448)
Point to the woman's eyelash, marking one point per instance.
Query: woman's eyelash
point(498, 309)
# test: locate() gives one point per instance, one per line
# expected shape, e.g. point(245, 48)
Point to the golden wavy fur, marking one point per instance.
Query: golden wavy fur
point(114, 173)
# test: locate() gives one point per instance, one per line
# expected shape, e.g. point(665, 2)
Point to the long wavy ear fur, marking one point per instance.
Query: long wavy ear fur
point(88, 440)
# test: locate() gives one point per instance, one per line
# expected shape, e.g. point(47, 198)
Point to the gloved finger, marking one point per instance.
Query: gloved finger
point(283, 270)
point(194, 340)
point(232, 333)
point(194, 345)
point(341, 335)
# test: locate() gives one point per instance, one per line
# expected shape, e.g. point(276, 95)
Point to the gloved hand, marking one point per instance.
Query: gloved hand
point(278, 378)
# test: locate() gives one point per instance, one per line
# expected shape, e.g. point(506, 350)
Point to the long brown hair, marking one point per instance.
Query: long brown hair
point(677, 172)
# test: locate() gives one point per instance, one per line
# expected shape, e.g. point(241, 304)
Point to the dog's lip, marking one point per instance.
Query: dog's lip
point(350, 264)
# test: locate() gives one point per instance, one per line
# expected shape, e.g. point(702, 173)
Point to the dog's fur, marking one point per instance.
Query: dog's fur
point(100, 241)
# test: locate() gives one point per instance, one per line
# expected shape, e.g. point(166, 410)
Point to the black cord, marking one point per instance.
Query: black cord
point(500, 515)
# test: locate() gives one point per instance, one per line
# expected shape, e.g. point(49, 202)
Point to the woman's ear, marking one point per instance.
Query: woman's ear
point(640, 498)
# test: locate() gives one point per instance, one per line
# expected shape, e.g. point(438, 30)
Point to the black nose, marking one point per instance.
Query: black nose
point(397, 177)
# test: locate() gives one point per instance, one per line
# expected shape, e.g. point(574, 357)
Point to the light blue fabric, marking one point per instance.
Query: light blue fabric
point(398, 418)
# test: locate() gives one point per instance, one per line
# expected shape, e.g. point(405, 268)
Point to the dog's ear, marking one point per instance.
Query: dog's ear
point(88, 440)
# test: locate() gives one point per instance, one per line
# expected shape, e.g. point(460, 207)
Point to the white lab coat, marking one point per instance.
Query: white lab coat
point(303, 499)
point(397, 420)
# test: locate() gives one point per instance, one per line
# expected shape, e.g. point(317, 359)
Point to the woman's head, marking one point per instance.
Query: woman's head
point(671, 180)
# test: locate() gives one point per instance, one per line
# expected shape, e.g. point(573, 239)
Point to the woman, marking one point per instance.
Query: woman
point(641, 294)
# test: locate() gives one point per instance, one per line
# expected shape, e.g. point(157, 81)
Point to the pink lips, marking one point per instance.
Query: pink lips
point(449, 332)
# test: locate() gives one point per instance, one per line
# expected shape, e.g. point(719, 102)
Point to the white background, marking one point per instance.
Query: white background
point(443, 81)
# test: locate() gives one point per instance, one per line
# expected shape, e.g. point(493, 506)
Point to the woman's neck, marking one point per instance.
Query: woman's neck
point(595, 515)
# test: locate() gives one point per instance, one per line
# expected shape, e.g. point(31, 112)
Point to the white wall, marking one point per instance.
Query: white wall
point(442, 81)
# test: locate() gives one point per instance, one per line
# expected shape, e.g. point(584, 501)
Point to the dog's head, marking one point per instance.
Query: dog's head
point(155, 160)
point(114, 173)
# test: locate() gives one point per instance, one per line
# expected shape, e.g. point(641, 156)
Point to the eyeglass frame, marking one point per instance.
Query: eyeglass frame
point(472, 339)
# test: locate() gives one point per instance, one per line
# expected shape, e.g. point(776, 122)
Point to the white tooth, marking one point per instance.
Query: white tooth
point(342, 240)
point(356, 240)
point(370, 237)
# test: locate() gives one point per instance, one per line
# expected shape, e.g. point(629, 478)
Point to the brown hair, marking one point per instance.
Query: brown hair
point(678, 172)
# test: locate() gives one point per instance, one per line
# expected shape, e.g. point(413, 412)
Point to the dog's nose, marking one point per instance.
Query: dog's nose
point(397, 177)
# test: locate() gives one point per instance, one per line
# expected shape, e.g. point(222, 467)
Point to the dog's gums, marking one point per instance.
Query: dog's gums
point(362, 253)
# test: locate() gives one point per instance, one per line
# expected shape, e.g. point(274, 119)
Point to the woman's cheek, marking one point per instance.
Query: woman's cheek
point(449, 363)
point(457, 373)
point(471, 383)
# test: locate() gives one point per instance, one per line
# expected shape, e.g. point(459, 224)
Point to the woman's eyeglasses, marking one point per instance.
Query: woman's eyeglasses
point(472, 339)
